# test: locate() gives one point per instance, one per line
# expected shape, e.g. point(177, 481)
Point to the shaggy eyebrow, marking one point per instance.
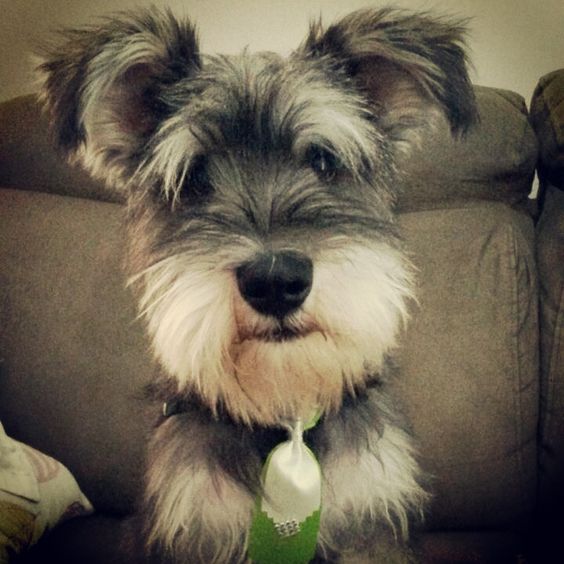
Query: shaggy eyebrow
point(330, 129)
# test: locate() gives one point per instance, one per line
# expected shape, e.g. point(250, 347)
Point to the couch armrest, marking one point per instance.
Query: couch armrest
point(494, 161)
point(29, 160)
point(547, 117)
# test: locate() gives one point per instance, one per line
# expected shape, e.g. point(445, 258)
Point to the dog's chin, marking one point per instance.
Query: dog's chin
point(288, 372)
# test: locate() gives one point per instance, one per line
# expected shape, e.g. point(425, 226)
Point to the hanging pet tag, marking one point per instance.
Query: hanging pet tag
point(286, 521)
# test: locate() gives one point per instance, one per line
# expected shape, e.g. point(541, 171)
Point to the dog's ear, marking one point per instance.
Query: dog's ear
point(405, 64)
point(103, 86)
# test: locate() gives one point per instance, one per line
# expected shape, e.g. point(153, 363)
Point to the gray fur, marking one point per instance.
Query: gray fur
point(226, 157)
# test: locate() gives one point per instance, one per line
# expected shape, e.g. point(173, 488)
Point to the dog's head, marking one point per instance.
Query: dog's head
point(260, 192)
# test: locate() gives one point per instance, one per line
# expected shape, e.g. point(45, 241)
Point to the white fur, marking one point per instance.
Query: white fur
point(379, 482)
point(209, 339)
point(192, 500)
point(190, 313)
point(171, 158)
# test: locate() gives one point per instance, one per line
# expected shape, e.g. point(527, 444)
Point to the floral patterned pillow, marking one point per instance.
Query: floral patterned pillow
point(36, 493)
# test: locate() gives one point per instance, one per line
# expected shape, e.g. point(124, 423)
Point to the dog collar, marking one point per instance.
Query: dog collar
point(285, 524)
point(173, 407)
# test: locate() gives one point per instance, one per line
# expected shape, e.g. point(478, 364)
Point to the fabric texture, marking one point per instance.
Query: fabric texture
point(550, 253)
point(550, 257)
point(36, 493)
point(547, 117)
point(469, 363)
point(494, 161)
point(29, 161)
point(70, 341)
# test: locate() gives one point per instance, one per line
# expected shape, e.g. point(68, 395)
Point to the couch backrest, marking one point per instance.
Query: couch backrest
point(74, 358)
point(495, 160)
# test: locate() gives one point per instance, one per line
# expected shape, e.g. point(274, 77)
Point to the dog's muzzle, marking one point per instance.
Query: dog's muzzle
point(276, 283)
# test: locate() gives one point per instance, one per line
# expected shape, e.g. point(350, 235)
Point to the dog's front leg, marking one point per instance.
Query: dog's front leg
point(194, 511)
point(372, 496)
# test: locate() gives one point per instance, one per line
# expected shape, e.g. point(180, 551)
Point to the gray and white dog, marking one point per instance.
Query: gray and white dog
point(260, 206)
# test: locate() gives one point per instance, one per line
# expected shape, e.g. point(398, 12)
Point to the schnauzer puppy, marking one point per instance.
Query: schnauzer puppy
point(262, 245)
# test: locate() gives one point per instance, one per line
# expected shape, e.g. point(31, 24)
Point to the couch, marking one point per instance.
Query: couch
point(481, 371)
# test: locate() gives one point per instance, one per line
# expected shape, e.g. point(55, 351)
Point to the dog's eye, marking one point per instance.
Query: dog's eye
point(197, 185)
point(325, 164)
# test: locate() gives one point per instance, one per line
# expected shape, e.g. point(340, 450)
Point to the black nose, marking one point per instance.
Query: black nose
point(276, 283)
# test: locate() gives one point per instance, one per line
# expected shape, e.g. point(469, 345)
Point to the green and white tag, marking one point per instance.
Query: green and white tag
point(286, 521)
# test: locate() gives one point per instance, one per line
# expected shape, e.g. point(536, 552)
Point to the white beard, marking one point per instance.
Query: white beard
point(210, 340)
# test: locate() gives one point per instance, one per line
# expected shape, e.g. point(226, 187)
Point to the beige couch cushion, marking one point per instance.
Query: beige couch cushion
point(74, 359)
point(469, 361)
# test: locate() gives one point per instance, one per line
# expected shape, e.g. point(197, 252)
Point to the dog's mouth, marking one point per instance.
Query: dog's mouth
point(279, 334)
point(279, 331)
